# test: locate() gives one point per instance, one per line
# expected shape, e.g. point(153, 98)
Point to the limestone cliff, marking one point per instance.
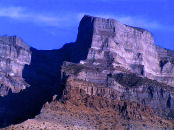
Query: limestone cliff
point(116, 44)
point(14, 55)
point(114, 77)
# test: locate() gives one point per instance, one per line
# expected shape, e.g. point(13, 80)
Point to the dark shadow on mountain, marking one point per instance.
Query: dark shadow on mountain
point(44, 77)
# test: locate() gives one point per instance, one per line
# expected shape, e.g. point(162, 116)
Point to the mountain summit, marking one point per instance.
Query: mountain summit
point(132, 48)
point(112, 77)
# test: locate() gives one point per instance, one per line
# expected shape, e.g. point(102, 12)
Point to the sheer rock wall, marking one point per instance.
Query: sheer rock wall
point(14, 55)
point(116, 44)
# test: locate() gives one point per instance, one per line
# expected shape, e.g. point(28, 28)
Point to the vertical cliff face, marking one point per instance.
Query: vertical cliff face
point(166, 62)
point(14, 55)
point(116, 44)
point(115, 78)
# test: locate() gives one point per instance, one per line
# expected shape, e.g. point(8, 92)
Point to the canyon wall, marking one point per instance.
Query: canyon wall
point(116, 44)
point(112, 77)
point(14, 55)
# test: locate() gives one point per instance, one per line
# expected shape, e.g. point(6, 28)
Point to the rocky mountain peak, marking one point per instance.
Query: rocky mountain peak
point(14, 40)
point(115, 44)
point(112, 77)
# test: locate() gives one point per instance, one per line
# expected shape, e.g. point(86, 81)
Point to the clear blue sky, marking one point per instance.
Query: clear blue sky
point(48, 24)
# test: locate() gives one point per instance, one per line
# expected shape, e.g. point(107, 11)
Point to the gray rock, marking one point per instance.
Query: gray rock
point(116, 44)
point(126, 59)
point(14, 55)
point(107, 53)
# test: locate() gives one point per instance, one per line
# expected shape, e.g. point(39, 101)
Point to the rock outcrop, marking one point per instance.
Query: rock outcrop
point(116, 44)
point(14, 55)
point(114, 77)
point(129, 86)
point(131, 103)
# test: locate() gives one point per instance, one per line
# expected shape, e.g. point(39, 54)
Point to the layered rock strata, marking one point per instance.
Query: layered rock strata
point(133, 103)
point(14, 55)
point(116, 44)
point(116, 78)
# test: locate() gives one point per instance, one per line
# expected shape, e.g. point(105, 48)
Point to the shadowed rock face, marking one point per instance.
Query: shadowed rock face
point(115, 64)
point(40, 75)
point(126, 101)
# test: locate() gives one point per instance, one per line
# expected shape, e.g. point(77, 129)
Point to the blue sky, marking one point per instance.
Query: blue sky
point(48, 24)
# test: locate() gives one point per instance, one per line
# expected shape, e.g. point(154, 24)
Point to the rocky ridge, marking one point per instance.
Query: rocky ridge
point(91, 105)
point(116, 79)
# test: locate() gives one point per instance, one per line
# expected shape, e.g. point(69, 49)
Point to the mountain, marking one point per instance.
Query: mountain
point(112, 77)
point(14, 56)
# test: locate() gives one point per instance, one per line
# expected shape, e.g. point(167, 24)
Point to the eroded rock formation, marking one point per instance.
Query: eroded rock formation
point(115, 44)
point(115, 78)
point(131, 103)
point(14, 55)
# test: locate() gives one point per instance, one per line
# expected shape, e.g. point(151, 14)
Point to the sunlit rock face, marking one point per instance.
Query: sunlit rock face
point(115, 44)
point(14, 55)
point(129, 86)
point(166, 63)
point(112, 77)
